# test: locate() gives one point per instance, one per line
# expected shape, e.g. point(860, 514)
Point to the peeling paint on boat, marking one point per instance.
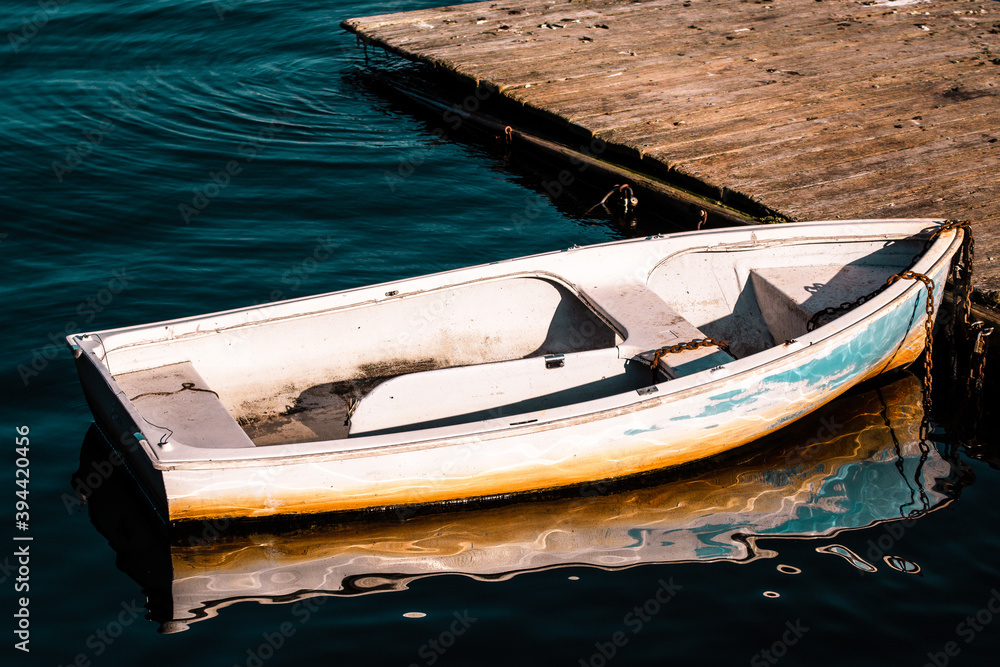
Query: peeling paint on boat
point(639, 431)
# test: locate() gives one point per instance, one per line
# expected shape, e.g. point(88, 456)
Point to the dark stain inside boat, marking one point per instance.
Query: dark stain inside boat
point(323, 411)
point(319, 411)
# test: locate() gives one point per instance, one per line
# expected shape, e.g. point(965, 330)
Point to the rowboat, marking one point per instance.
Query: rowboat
point(857, 462)
point(519, 376)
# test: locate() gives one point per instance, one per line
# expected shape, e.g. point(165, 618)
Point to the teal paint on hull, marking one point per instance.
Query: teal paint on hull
point(720, 403)
point(841, 365)
point(640, 431)
point(862, 354)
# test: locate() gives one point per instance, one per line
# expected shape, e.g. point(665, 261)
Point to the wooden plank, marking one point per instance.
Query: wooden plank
point(813, 109)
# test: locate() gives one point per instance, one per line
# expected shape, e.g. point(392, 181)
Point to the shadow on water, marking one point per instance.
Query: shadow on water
point(855, 463)
point(557, 168)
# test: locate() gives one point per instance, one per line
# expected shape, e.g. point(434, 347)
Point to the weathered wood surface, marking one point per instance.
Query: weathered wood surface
point(816, 109)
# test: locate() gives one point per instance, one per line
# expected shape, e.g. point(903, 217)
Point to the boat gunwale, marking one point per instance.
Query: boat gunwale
point(353, 305)
point(599, 410)
point(431, 277)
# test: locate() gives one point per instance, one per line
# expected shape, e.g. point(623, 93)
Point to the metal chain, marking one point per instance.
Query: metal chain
point(683, 347)
point(843, 308)
point(928, 333)
point(928, 323)
point(622, 192)
point(974, 379)
point(974, 334)
point(963, 265)
point(964, 260)
point(961, 273)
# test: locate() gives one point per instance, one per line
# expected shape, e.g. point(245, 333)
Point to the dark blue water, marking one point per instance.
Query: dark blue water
point(170, 158)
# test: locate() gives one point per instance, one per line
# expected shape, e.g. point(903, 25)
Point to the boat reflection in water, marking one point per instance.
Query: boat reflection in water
point(854, 463)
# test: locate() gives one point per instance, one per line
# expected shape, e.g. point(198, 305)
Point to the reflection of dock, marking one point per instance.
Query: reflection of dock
point(856, 462)
point(813, 110)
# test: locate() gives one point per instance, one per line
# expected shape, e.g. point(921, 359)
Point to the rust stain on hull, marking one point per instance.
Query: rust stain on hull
point(650, 455)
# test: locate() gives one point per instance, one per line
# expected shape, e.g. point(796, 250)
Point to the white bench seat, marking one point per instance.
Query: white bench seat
point(489, 391)
point(177, 398)
point(650, 323)
point(508, 388)
point(788, 297)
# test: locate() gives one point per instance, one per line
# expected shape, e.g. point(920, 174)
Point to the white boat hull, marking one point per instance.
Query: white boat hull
point(668, 423)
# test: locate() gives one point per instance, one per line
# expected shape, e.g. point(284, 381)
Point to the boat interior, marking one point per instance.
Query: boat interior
point(488, 349)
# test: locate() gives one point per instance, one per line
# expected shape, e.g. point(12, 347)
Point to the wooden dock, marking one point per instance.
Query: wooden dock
point(814, 109)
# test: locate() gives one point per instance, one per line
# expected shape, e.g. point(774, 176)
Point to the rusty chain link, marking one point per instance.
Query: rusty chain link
point(683, 347)
point(969, 337)
point(928, 323)
point(962, 268)
point(928, 332)
point(965, 260)
point(961, 272)
point(845, 307)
